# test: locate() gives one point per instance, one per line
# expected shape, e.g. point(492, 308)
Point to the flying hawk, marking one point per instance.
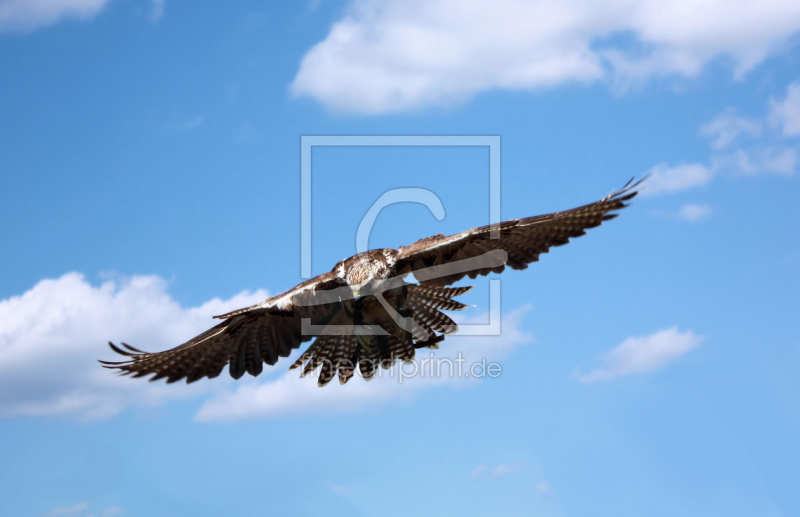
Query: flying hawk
point(363, 313)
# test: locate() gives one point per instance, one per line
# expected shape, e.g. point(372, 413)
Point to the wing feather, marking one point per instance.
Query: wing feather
point(245, 340)
point(522, 240)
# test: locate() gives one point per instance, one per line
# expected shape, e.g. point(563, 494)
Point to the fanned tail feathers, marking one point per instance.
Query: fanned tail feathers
point(336, 353)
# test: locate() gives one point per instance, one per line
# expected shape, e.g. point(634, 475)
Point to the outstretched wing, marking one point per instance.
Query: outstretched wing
point(441, 260)
point(245, 340)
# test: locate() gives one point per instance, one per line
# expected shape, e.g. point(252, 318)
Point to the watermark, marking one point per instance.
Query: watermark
point(493, 258)
point(428, 367)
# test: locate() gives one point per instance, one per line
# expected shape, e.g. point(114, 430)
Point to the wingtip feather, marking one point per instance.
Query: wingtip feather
point(119, 350)
point(132, 349)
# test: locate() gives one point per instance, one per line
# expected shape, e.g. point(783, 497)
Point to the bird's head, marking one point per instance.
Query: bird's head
point(366, 272)
point(361, 277)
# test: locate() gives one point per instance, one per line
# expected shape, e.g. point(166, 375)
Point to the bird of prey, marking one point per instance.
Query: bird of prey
point(363, 313)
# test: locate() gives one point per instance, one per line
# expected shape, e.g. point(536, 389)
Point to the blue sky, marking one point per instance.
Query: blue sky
point(150, 177)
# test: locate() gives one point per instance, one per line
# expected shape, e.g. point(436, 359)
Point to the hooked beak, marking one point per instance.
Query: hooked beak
point(359, 290)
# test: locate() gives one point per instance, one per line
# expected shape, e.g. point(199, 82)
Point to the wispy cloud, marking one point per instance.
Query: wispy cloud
point(504, 470)
point(246, 133)
point(288, 394)
point(395, 55)
point(770, 159)
point(156, 10)
point(692, 212)
point(643, 354)
point(25, 15)
point(342, 490)
point(727, 127)
point(71, 510)
point(741, 146)
point(756, 151)
point(479, 470)
point(689, 212)
point(81, 510)
point(785, 113)
point(184, 125)
point(485, 472)
point(52, 335)
point(664, 179)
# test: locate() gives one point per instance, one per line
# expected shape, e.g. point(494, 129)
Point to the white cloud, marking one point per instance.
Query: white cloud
point(751, 161)
point(394, 55)
point(342, 490)
point(727, 127)
point(643, 354)
point(765, 153)
point(483, 472)
point(692, 212)
point(544, 488)
point(786, 113)
point(780, 160)
point(480, 469)
point(503, 470)
point(664, 178)
point(288, 394)
point(757, 160)
point(29, 14)
point(157, 10)
point(688, 212)
point(52, 336)
point(72, 510)
point(178, 126)
point(80, 510)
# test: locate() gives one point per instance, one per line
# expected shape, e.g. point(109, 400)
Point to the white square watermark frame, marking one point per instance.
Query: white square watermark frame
point(308, 142)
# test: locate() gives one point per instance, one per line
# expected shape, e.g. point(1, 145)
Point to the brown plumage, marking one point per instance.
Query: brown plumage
point(369, 315)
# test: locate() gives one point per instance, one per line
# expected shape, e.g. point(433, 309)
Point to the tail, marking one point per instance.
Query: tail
point(340, 353)
point(426, 302)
